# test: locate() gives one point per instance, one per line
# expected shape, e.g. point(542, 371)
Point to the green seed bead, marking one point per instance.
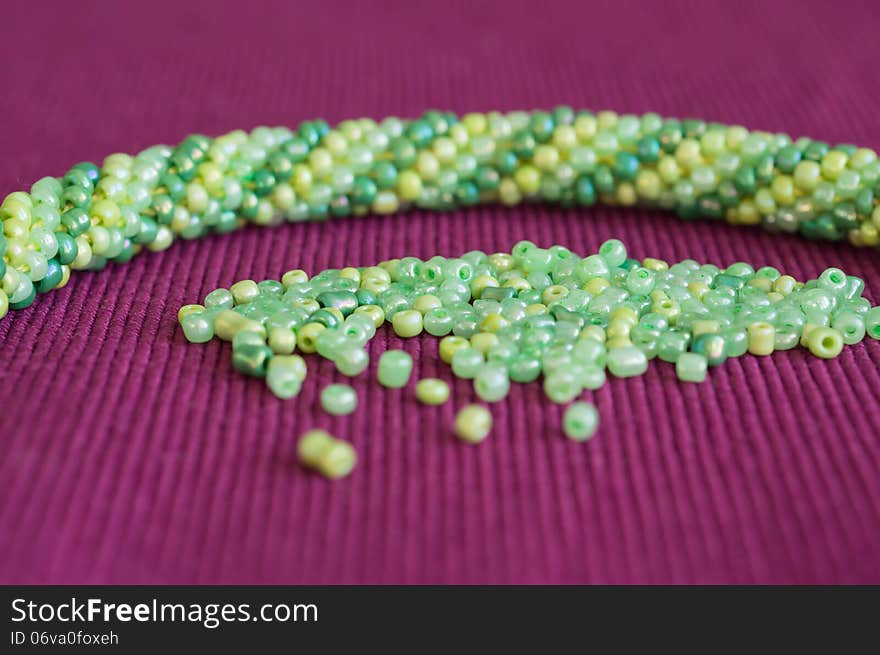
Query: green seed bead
point(473, 423)
point(345, 301)
point(395, 367)
point(244, 292)
point(197, 328)
point(432, 391)
point(761, 338)
point(691, 367)
point(251, 359)
point(824, 342)
point(712, 347)
point(562, 386)
point(467, 362)
point(407, 323)
point(872, 323)
point(351, 361)
point(284, 375)
point(492, 382)
point(338, 399)
point(851, 326)
point(627, 361)
point(580, 421)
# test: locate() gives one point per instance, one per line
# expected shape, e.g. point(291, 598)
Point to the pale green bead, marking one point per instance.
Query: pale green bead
point(492, 382)
point(432, 391)
point(562, 386)
point(351, 361)
point(395, 367)
point(691, 367)
point(197, 327)
point(627, 361)
point(284, 376)
point(473, 423)
point(580, 421)
point(467, 362)
point(850, 325)
point(338, 399)
point(407, 323)
point(872, 323)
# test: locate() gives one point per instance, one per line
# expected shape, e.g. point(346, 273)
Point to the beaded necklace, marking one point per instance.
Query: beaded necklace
point(501, 317)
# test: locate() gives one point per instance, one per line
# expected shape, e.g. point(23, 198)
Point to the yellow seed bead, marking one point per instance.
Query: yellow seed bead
point(493, 323)
point(657, 295)
point(518, 283)
point(626, 194)
point(508, 192)
point(302, 179)
point(775, 297)
point(244, 291)
point(648, 184)
point(475, 123)
point(432, 391)
point(373, 312)
point(607, 120)
point(283, 196)
point(473, 423)
point(627, 314)
point(376, 272)
point(536, 308)
point(655, 264)
point(449, 345)
point(825, 342)
point(310, 446)
point(501, 262)
point(482, 282)
point(761, 338)
point(407, 323)
point(186, 310)
point(553, 293)
point(385, 203)
point(747, 213)
point(618, 329)
point(734, 137)
point(425, 303)
point(698, 289)
point(528, 179)
point(427, 165)
point(296, 276)
point(870, 234)
point(307, 337)
point(704, 327)
point(228, 323)
point(321, 162)
point(805, 333)
point(833, 164)
point(668, 309)
point(65, 277)
point(668, 170)
point(763, 283)
point(282, 340)
point(782, 189)
point(596, 285)
point(546, 157)
point(338, 460)
point(585, 126)
point(687, 155)
point(484, 341)
point(409, 185)
point(351, 273)
point(593, 332)
point(807, 175)
point(784, 284)
point(565, 137)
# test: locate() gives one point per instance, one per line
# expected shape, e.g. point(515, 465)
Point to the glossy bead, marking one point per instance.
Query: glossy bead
point(492, 382)
point(197, 327)
point(825, 343)
point(473, 423)
point(626, 361)
point(395, 367)
point(467, 362)
point(872, 323)
point(338, 399)
point(332, 458)
point(580, 421)
point(407, 323)
point(284, 375)
point(351, 361)
point(761, 338)
point(432, 391)
point(562, 386)
point(691, 367)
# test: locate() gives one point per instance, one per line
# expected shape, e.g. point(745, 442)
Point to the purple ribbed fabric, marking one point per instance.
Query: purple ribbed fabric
point(130, 456)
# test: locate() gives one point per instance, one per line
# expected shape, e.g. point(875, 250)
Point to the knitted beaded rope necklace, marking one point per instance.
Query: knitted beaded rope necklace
point(689, 314)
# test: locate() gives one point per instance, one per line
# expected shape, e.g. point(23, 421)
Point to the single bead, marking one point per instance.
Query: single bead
point(282, 340)
point(338, 399)
point(561, 386)
point(825, 342)
point(395, 367)
point(850, 325)
point(284, 375)
point(432, 391)
point(691, 367)
point(351, 361)
point(407, 323)
point(244, 291)
point(228, 323)
point(626, 361)
point(450, 344)
point(473, 423)
point(580, 421)
point(307, 337)
point(872, 323)
point(467, 362)
point(492, 382)
point(197, 327)
point(761, 338)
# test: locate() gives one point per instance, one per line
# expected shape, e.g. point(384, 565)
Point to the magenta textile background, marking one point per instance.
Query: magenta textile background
point(129, 456)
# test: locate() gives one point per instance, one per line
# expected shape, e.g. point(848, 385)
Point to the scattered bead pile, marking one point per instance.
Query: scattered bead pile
point(93, 215)
point(519, 316)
